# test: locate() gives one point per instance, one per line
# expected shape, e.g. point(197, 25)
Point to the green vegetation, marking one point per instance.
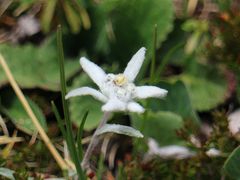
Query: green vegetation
point(193, 51)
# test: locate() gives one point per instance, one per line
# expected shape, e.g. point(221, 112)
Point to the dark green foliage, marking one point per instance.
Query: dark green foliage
point(73, 150)
point(200, 166)
point(205, 93)
point(35, 66)
point(15, 111)
point(177, 101)
point(161, 126)
point(221, 138)
point(231, 166)
point(125, 26)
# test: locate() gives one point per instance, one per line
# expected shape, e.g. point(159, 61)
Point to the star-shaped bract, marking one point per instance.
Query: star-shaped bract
point(118, 92)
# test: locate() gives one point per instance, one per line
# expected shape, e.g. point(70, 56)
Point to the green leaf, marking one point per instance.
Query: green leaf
point(205, 93)
point(80, 135)
point(47, 14)
point(177, 101)
point(120, 129)
point(231, 165)
point(60, 121)
point(7, 173)
point(224, 5)
point(79, 105)
point(36, 66)
point(72, 17)
point(15, 111)
point(160, 126)
point(129, 25)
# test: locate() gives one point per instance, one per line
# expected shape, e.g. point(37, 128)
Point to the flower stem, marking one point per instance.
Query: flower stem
point(94, 142)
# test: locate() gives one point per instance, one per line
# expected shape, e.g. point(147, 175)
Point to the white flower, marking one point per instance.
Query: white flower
point(167, 152)
point(117, 91)
point(234, 123)
point(213, 152)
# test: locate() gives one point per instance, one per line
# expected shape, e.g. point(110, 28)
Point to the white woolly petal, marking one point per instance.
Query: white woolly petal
point(87, 91)
point(94, 71)
point(234, 123)
point(213, 152)
point(169, 152)
point(143, 92)
point(134, 65)
point(135, 107)
point(114, 105)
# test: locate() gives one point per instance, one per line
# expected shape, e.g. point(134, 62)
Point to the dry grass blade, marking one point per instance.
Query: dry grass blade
point(4, 127)
point(7, 150)
point(32, 116)
point(7, 140)
point(4, 5)
point(192, 5)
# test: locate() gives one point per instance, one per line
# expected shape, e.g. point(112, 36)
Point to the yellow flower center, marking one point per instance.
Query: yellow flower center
point(120, 80)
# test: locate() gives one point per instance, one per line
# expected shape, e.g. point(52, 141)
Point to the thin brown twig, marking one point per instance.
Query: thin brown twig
point(33, 138)
point(4, 127)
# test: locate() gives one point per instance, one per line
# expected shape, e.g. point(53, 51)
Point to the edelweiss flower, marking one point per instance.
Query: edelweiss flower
point(117, 91)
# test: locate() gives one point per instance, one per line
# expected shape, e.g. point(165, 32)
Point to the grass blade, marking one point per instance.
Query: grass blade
point(59, 120)
point(153, 62)
point(166, 58)
point(79, 136)
point(69, 132)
